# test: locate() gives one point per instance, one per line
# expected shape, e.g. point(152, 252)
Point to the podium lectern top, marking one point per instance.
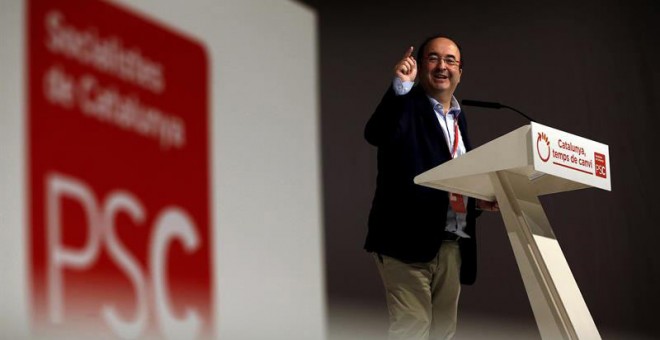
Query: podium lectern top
point(553, 160)
point(514, 169)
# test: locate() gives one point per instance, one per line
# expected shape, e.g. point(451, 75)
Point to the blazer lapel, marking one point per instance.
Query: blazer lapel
point(435, 137)
point(462, 126)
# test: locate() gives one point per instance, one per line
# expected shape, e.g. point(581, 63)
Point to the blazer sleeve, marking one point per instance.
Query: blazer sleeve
point(386, 123)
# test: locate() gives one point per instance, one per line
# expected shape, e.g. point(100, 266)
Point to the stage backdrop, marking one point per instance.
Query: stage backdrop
point(589, 67)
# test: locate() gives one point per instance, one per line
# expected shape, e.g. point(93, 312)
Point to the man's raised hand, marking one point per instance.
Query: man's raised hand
point(406, 68)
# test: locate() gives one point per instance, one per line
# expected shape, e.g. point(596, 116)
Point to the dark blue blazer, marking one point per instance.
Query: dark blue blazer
point(407, 220)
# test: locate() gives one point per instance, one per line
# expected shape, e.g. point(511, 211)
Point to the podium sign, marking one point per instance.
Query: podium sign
point(569, 156)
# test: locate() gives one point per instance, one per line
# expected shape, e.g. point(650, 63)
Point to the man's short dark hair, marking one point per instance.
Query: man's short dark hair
point(422, 47)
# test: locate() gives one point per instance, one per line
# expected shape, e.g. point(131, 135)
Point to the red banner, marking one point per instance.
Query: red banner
point(118, 200)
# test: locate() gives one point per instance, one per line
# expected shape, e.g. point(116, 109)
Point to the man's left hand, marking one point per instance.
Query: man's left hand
point(487, 206)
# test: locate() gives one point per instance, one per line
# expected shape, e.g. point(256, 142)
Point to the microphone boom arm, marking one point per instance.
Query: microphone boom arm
point(493, 105)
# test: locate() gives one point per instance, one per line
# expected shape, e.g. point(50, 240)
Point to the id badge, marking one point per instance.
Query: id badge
point(457, 203)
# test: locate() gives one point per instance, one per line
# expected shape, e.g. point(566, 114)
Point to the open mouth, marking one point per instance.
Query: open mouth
point(439, 76)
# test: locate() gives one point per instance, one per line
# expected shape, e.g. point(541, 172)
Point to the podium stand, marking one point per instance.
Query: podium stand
point(515, 169)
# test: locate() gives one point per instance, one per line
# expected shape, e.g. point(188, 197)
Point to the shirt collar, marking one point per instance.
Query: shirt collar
point(454, 107)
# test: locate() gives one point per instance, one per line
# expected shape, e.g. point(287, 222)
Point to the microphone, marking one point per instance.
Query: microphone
point(493, 105)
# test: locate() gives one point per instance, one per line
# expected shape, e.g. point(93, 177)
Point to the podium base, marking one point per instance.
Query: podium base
point(558, 306)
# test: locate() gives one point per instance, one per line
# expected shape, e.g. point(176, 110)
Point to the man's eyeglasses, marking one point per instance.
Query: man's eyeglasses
point(450, 61)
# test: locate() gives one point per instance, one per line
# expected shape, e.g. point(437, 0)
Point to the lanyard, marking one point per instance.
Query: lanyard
point(457, 135)
point(456, 200)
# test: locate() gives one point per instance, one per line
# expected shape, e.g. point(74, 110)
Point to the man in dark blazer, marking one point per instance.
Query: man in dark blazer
point(424, 246)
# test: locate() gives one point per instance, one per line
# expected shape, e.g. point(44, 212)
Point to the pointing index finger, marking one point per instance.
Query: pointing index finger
point(408, 52)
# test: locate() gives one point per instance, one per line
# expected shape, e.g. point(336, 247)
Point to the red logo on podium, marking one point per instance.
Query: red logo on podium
point(543, 146)
point(601, 167)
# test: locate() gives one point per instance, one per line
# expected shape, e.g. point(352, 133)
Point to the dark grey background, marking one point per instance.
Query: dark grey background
point(590, 68)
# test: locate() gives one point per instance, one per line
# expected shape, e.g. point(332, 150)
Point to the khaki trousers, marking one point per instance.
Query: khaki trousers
point(422, 298)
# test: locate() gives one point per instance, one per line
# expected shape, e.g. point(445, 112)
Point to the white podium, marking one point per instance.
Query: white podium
point(515, 169)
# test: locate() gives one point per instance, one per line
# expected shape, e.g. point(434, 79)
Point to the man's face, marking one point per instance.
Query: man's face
point(437, 77)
